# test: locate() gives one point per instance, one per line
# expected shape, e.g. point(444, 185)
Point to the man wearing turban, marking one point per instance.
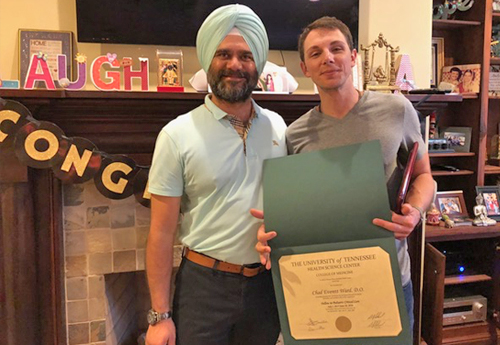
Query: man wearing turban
point(207, 166)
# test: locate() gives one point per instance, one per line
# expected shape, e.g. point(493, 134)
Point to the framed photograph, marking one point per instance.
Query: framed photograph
point(169, 68)
point(51, 43)
point(451, 203)
point(491, 197)
point(458, 138)
point(465, 78)
point(437, 60)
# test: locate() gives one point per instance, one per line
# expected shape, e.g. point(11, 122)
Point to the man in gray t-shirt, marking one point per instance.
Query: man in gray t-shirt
point(347, 116)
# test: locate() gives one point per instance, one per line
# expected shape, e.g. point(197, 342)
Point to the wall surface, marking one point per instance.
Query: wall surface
point(404, 23)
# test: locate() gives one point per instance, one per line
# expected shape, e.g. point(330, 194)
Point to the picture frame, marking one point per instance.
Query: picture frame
point(170, 68)
point(459, 138)
point(49, 42)
point(451, 203)
point(437, 61)
point(491, 197)
point(465, 78)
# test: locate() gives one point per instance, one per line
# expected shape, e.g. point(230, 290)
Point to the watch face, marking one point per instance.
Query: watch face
point(151, 317)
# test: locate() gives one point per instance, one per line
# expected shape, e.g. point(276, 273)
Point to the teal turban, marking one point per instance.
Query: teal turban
point(218, 24)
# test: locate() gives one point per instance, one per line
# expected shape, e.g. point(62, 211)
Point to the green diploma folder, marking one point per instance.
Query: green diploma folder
point(336, 275)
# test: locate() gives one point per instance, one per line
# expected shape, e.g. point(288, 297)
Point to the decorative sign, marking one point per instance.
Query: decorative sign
point(142, 74)
point(46, 45)
point(38, 70)
point(81, 80)
point(39, 63)
point(43, 145)
point(449, 7)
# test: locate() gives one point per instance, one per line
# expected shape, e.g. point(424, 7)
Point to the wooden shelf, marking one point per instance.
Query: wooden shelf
point(451, 154)
point(435, 98)
point(441, 234)
point(495, 61)
point(480, 242)
point(470, 96)
point(491, 169)
point(453, 24)
point(471, 334)
point(451, 173)
point(465, 279)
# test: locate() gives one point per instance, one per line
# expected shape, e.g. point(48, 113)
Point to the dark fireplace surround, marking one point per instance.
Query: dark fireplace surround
point(32, 291)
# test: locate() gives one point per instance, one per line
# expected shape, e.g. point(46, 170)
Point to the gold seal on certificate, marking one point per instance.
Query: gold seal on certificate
point(340, 294)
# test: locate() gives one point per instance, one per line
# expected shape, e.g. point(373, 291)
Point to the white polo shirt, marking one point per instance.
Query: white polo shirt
point(200, 157)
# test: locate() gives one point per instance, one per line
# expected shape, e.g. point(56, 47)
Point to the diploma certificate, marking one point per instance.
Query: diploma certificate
point(336, 294)
point(336, 275)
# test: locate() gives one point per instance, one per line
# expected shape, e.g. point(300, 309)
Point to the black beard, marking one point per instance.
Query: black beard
point(232, 92)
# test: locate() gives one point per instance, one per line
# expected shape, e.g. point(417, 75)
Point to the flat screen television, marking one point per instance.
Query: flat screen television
point(175, 23)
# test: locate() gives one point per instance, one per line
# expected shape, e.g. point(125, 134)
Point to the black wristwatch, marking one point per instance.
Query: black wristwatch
point(154, 317)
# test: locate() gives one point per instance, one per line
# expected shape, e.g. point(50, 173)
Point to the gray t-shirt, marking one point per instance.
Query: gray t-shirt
point(376, 116)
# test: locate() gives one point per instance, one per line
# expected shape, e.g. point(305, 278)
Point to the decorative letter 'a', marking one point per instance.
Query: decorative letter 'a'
point(32, 75)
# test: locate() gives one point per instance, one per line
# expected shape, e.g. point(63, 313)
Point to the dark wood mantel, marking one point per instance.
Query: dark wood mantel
point(128, 122)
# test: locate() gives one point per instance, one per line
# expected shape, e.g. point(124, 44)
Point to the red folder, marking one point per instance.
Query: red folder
point(405, 182)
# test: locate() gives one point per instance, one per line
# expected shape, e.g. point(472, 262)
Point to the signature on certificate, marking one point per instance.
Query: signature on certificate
point(315, 325)
point(377, 320)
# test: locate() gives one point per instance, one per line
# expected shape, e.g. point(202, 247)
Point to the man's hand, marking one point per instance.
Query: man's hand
point(402, 224)
point(262, 237)
point(163, 333)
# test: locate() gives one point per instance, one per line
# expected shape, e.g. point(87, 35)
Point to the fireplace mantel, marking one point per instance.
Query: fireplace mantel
point(115, 120)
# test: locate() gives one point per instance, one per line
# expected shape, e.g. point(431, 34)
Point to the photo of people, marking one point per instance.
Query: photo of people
point(491, 203)
point(465, 78)
point(455, 139)
point(450, 205)
point(459, 138)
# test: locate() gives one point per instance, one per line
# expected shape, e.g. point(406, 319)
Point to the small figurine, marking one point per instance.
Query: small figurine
point(433, 215)
point(64, 83)
point(379, 74)
point(481, 213)
point(448, 223)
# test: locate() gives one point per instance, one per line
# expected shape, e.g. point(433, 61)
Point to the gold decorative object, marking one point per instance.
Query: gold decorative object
point(383, 78)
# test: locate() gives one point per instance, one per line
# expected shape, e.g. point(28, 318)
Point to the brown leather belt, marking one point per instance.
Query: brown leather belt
point(207, 261)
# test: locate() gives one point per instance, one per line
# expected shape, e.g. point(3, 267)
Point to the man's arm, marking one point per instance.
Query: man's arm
point(419, 196)
point(159, 262)
point(422, 188)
